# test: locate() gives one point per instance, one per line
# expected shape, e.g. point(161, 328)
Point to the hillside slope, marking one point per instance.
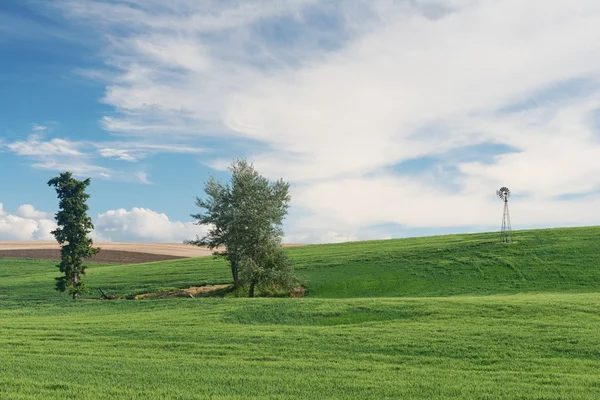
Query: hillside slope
point(528, 346)
point(554, 260)
point(549, 260)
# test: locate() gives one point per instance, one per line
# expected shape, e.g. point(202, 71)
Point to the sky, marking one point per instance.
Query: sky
point(390, 118)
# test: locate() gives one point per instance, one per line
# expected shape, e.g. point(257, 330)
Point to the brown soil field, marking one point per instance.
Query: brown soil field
point(169, 249)
point(111, 252)
point(104, 256)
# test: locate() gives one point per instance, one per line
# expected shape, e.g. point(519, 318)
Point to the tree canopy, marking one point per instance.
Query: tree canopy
point(74, 225)
point(244, 220)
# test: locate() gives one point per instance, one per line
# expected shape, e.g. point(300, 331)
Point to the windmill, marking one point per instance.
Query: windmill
point(505, 232)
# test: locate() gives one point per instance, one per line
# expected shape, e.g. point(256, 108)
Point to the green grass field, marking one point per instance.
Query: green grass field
point(442, 317)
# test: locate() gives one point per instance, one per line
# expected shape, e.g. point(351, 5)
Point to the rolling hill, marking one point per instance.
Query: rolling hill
point(551, 260)
point(457, 316)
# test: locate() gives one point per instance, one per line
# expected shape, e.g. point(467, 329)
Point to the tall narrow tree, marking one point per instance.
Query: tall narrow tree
point(74, 226)
point(244, 220)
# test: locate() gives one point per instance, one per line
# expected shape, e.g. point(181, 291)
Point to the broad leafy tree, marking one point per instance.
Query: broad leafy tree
point(74, 226)
point(244, 219)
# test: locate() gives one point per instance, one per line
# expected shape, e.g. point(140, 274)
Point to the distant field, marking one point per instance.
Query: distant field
point(104, 256)
point(557, 260)
point(111, 252)
point(170, 249)
point(549, 260)
point(457, 316)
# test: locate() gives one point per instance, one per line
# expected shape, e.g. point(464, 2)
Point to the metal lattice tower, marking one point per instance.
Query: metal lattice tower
point(506, 231)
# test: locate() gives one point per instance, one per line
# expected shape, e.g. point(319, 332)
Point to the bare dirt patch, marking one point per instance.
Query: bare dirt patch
point(189, 292)
point(104, 256)
point(298, 292)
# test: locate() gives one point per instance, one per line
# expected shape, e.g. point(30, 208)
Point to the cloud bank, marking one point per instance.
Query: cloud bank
point(409, 113)
point(135, 225)
point(26, 224)
point(143, 225)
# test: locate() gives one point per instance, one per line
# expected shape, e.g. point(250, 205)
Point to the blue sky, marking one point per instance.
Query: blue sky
point(390, 119)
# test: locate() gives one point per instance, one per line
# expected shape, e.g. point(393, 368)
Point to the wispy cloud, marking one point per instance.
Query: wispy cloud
point(58, 155)
point(78, 167)
point(133, 152)
point(378, 84)
point(84, 158)
point(142, 177)
point(119, 154)
point(36, 147)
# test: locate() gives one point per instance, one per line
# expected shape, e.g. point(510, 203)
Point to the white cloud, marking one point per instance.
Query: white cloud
point(39, 128)
point(558, 149)
point(29, 212)
point(315, 236)
point(400, 201)
point(43, 229)
point(80, 158)
point(35, 146)
point(145, 225)
point(360, 109)
point(400, 80)
point(135, 151)
point(135, 225)
point(119, 154)
point(78, 167)
point(196, 16)
point(142, 177)
point(28, 224)
point(58, 155)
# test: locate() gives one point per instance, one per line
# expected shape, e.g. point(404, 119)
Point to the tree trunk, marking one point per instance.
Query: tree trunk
point(75, 282)
point(251, 294)
point(234, 271)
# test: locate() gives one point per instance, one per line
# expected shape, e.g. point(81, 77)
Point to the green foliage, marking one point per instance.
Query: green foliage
point(267, 269)
point(244, 220)
point(74, 225)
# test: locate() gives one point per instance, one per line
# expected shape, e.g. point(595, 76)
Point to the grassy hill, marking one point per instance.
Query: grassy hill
point(550, 260)
point(396, 330)
point(553, 260)
point(501, 347)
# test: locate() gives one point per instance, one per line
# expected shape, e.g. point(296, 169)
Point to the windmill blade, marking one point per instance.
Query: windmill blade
point(503, 193)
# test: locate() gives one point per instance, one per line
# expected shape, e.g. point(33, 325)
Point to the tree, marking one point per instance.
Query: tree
point(74, 225)
point(267, 268)
point(244, 219)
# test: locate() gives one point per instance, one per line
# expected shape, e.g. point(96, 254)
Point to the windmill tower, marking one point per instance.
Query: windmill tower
point(506, 231)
